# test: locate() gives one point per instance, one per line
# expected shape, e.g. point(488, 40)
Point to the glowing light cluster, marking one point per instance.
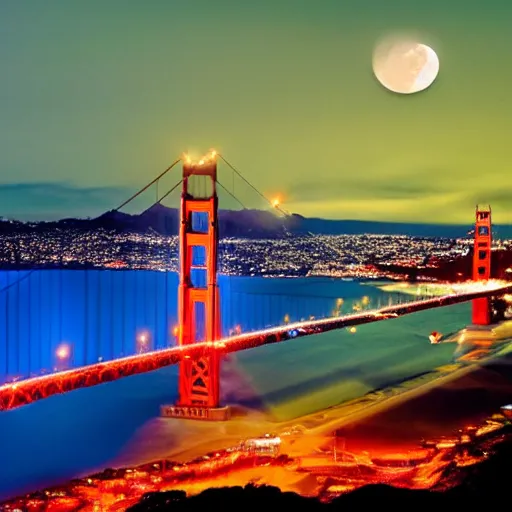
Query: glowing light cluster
point(449, 289)
point(210, 157)
point(143, 342)
point(63, 352)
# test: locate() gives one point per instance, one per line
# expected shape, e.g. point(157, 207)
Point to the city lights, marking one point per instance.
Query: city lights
point(419, 467)
point(340, 256)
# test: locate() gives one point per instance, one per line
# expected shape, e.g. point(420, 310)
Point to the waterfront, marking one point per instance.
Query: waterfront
point(74, 434)
point(372, 449)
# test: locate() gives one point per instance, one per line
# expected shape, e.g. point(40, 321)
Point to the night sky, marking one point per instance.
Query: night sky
point(97, 97)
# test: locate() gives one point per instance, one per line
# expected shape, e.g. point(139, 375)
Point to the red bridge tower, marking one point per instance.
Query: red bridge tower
point(482, 264)
point(198, 299)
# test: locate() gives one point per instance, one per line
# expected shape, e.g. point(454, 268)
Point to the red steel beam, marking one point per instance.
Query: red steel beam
point(481, 313)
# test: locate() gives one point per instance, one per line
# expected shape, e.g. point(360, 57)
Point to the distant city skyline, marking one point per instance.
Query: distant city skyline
point(98, 98)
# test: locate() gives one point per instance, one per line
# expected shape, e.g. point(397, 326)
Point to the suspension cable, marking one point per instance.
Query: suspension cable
point(170, 191)
point(231, 195)
point(240, 175)
point(143, 189)
point(17, 281)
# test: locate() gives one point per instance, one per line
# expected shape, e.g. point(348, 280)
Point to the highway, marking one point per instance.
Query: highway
point(23, 392)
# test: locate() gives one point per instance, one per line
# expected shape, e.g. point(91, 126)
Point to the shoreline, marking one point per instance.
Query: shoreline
point(255, 423)
point(299, 445)
point(90, 267)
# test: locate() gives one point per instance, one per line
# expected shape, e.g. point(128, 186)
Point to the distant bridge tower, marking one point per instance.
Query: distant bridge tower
point(198, 293)
point(482, 264)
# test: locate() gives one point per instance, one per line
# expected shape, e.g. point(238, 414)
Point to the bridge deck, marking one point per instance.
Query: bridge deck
point(30, 390)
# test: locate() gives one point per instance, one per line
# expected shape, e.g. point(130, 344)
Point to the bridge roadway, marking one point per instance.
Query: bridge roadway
point(17, 394)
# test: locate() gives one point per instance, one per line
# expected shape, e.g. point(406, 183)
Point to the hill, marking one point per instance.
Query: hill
point(245, 224)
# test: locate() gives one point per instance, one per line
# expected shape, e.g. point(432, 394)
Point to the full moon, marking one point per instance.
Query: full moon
point(405, 67)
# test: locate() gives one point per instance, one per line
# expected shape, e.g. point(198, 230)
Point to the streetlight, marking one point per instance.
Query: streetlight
point(143, 343)
point(62, 356)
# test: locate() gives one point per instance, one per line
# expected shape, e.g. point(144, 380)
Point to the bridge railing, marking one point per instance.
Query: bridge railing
point(52, 320)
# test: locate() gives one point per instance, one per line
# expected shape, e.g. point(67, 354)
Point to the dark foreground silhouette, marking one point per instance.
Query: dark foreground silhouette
point(487, 482)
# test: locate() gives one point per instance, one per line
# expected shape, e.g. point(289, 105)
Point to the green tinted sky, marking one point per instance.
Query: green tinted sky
point(98, 96)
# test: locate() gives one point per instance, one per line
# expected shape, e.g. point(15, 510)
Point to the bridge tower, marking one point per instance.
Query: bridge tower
point(481, 314)
point(198, 293)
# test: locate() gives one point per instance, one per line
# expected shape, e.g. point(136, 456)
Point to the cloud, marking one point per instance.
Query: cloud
point(355, 198)
point(47, 201)
point(499, 199)
point(439, 208)
point(360, 187)
point(417, 193)
point(449, 207)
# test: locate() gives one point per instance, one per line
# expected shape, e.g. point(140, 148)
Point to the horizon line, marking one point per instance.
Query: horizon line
point(288, 214)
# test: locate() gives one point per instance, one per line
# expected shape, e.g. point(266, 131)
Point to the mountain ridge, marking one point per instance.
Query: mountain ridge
point(247, 223)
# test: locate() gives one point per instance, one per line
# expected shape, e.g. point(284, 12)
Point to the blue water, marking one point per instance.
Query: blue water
point(100, 314)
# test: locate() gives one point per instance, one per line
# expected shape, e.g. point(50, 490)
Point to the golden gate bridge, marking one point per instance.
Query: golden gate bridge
point(199, 308)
